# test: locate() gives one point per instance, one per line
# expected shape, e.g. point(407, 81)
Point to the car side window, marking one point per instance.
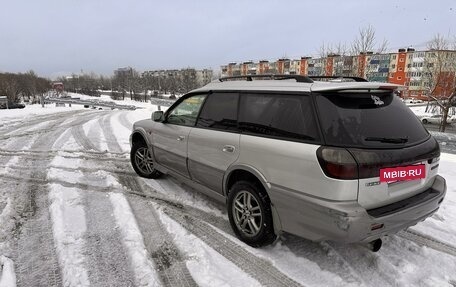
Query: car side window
point(277, 115)
point(219, 112)
point(186, 112)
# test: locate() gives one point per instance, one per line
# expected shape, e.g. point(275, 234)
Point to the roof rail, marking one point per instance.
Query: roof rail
point(356, 79)
point(298, 78)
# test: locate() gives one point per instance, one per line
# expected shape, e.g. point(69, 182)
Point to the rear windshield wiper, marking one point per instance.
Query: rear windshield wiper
point(386, 140)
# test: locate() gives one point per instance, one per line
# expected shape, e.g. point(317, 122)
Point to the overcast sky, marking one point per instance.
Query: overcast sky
point(57, 37)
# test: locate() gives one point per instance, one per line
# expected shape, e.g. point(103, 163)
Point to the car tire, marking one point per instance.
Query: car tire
point(250, 215)
point(142, 161)
point(425, 121)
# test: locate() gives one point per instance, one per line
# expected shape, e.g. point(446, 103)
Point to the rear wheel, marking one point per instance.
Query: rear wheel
point(249, 211)
point(142, 161)
point(425, 121)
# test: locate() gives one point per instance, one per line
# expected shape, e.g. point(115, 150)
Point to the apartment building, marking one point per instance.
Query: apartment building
point(421, 72)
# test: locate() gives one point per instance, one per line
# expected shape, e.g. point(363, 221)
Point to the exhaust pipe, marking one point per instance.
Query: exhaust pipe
point(375, 245)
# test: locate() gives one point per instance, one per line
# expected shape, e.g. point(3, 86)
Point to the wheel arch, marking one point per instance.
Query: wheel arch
point(245, 172)
point(138, 136)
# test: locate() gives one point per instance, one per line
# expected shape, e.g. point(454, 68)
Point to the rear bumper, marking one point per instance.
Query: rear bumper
point(318, 219)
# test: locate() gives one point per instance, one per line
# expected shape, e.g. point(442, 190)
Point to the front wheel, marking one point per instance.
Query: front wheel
point(142, 161)
point(249, 211)
point(425, 121)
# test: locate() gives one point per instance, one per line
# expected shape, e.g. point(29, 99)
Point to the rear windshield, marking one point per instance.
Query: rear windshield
point(368, 119)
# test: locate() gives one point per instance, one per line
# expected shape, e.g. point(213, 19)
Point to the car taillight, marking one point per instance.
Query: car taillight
point(337, 163)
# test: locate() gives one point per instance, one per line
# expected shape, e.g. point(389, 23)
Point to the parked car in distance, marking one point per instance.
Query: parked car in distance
point(437, 119)
point(324, 160)
point(412, 101)
point(13, 106)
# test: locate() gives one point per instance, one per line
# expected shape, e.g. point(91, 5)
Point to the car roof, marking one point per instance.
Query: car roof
point(291, 85)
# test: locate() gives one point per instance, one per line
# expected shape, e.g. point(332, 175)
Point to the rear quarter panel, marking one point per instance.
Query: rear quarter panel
point(293, 166)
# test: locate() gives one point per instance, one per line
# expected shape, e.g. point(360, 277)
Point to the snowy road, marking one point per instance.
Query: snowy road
point(74, 213)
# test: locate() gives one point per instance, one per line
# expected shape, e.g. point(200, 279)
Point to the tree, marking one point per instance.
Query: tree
point(9, 86)
point(340, 49)
point(26, 86)
point(366, 42)
point(439, 74)
point(188, 80)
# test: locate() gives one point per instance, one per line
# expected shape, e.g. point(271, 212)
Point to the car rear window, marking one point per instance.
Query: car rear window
point(368, 119)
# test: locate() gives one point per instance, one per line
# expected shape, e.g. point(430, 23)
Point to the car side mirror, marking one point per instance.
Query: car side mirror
point(158, 116)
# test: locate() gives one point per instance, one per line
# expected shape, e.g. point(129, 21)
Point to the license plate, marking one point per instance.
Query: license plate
point(401, 173)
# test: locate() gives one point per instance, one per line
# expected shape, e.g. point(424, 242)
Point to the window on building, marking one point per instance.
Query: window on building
point(401, 69)
point(399, 78)
point(401, 60)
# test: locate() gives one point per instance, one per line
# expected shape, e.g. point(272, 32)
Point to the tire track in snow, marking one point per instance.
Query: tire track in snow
point(49, 154)
point(171, 270)
point(171, 267)
point(126, 171)
point(111, 140)
point(21, 124)
point(168, 259)
point(35, 254)
point(144, 269)
point(424, 240)
point(95, 133)
point(61, 140)
point(258, 268)
point(49, 128)
point(168, 275)
point(126, 240)
point(324, 256)
point(106, 251)
point(106, 255)
point(199, 223)
point(124, 121)
point(80, 137)
point(35, 257)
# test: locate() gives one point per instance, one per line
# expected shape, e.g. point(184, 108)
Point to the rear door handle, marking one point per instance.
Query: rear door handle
point(228, 148)
point(180, 138)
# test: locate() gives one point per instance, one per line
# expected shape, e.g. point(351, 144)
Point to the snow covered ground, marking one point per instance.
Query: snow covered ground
point(74, 213)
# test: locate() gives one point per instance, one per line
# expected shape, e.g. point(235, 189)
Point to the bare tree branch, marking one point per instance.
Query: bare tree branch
point(365, 41)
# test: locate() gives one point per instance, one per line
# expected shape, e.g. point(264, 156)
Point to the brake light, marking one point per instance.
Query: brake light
point(337, 163)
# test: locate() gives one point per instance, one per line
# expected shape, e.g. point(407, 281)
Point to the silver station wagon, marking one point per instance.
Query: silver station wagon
point(324, 159)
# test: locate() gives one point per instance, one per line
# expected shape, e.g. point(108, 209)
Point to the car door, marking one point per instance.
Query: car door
point(170, 137)
point(213, 145)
